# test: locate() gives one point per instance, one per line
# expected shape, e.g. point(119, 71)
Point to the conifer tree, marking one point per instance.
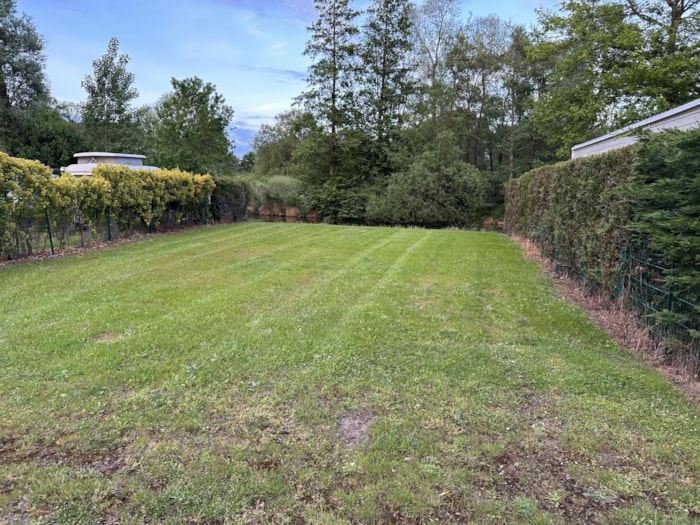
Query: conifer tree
point(331, 81)
point(385, 76)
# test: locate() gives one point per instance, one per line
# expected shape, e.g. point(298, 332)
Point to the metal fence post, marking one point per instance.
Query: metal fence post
point(48, 227)
point(109, 224)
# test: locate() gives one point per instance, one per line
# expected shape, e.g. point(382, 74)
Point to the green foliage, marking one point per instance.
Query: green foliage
point(111, 124)
point(436, 190)
point(44, 134)
point(230, 199)
point(143, 196)
point(344, 196)
point(610, 63)
point(22, 197)
point(274, 144)
point(338, 200)
point(22, 79)
point(190, 129)
point(247, 162)
point(578, 212)
point(331, 81)
point(332, 47)
point(385, 80)
point(284, 190)
point(667, 204)
point(133, 198)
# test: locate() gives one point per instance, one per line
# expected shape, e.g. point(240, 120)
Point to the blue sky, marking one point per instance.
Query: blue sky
point(251, 50)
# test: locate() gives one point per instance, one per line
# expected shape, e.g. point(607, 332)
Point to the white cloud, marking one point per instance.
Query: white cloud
point(278, 49)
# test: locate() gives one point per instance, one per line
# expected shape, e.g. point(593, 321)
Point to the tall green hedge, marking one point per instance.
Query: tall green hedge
point(578, 212)
point(667, 204)
point(643, 200)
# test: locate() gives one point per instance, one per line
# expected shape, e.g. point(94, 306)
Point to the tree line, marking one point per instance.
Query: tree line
point(186, 128)
point(415, 115)
point(411, 114)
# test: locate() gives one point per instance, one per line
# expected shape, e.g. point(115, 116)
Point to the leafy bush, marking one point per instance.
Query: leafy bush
point(230, 199)
point(433, 193)
point(23, 186)
point(142, 197)
point(337, 200)
point(29, 196)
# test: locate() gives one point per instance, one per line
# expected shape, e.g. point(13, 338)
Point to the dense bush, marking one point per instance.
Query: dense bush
point(667, 204)
point(434, 193)
point(22, 190)
point(230, 199)
point(337, 200)
point(578, 212)
point(142, 197)
point(30, 200)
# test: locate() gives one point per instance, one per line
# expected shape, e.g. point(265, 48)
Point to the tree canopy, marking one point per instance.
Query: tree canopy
point(411, 113)
point(22, 78)
point(109, 117)
point(189, 128)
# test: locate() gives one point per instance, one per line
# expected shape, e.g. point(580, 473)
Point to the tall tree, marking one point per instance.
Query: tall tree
point(385, 77)
point(274, 144)
point(582, 49)
point(333, 48)
point(667, 66)
point(111, 122)
point(671, 23)
point(476, 62)
point(22, 79)
point(190, 129)
point(436, 24)
point(611, 62)
point(523, 146)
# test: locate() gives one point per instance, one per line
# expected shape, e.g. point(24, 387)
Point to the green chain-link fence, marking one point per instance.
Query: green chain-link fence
point(672, 319)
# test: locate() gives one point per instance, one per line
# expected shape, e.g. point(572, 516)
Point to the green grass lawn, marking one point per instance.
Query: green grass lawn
point(273, 373)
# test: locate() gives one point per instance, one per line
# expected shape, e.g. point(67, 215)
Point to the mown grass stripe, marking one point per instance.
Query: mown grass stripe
point(202, 376)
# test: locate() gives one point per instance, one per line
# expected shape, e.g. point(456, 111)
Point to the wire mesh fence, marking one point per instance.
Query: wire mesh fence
point(673, 321)
point(43, 232)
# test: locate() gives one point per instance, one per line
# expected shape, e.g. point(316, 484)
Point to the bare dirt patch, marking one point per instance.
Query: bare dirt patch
point(107, 338)
point(106, 462)
point(352, 428)
point(618, 322)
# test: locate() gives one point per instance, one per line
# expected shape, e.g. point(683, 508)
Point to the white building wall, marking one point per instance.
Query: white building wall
point(683, 117)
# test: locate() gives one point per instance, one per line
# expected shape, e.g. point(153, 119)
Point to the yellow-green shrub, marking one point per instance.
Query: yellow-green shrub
point(22, 190)
point(29, 195)
point(145, 195)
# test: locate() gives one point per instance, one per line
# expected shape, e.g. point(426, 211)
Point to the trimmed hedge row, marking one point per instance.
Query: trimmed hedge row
point(639, 206)
point(578, 211)
point(24, 186)
point(31, 201)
